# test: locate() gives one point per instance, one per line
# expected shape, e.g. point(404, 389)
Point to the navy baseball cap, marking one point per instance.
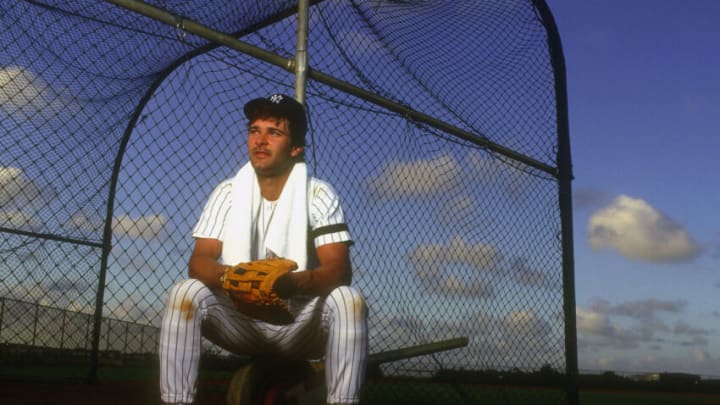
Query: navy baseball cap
point(280, 106)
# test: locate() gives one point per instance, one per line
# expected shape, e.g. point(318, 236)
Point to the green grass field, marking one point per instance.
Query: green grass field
point(646, 398)
point(426, 394)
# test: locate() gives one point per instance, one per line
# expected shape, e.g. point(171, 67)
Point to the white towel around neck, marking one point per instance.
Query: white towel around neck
point(286, 233)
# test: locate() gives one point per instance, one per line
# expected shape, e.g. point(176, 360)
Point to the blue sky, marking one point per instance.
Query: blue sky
point(644, 105)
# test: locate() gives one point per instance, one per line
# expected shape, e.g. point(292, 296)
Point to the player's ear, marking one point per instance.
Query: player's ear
point(296, 151)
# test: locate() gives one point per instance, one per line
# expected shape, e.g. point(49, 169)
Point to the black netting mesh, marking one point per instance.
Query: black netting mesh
point(115, 127)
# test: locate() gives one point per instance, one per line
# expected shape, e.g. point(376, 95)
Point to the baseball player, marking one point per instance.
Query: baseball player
point(271, 208)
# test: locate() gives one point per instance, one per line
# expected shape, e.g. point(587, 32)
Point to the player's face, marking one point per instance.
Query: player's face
point(269, 146)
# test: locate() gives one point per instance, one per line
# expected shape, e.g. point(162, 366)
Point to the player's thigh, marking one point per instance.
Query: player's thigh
point(232, 330)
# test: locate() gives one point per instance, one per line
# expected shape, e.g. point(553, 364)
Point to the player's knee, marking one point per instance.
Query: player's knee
point(349, 300)
point(184, 291)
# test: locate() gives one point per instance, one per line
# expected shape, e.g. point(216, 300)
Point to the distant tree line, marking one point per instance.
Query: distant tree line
point(18, 354)
point(548, 376)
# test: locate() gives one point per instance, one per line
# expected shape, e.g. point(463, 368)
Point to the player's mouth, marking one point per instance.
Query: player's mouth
point(261, 153)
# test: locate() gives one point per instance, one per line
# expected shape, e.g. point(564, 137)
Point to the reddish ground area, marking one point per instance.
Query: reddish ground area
point(105, 393)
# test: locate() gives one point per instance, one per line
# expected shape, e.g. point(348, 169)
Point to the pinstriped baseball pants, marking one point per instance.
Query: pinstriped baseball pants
point(335, 327)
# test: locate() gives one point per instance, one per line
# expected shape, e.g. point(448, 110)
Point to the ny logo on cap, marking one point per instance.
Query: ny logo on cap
point(276, 98)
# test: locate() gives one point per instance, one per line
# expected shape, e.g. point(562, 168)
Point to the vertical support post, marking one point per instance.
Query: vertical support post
point(142, 339)
point(89, 333)
point(2, 315)
point(62, 330)
point(108, 332)
point(301, 51)
point(35, 324)
point(127, 332)
point(565, 177)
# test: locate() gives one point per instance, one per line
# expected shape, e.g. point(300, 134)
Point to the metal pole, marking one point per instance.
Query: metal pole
point(415, 351)
point(2, 314)
point(301, 53)
point(62, 330)
point(35, 324)
point(202, 31)
point(565, 178)
point(127, 332)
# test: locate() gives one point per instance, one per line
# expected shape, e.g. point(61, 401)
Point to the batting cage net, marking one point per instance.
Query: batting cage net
point(441, 124)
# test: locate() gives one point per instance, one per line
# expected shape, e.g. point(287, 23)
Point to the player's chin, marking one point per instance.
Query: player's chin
point(261, 165)
point(267, 168)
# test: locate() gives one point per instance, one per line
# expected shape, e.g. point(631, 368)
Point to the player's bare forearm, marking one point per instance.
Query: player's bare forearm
point(203, 264)
point(334, 270)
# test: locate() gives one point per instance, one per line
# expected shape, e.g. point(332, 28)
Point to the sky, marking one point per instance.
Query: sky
point(644, 111)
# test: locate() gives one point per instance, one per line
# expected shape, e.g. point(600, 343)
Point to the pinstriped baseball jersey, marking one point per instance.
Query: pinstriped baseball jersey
point(326, 219)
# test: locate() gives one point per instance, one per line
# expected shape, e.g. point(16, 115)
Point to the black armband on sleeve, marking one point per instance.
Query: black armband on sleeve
point(328, 229)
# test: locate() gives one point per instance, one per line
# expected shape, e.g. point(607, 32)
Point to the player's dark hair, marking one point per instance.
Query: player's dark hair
point(280, 106)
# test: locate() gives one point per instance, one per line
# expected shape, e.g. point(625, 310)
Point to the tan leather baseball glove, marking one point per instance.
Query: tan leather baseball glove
point(251, 285)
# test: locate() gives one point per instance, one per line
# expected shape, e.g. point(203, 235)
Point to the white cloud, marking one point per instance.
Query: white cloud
point(641, 309)
point(20, 87)
point(29, 96)
point(84, 222)
point(450, 267)
point(683, 328)
point(692, 360)
point(416, 179)
point(457, 211)
point(632, 336)
point(639, 231)
point(17, 191)
point(527, 338)
point(597, 331)
point(488, 170)
point(16, 187)
point(530, 326)
point(17, 219)
point(594, 323)
point(631, 324)
point(145, 227)
point(458, 250)
point(525, 275)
